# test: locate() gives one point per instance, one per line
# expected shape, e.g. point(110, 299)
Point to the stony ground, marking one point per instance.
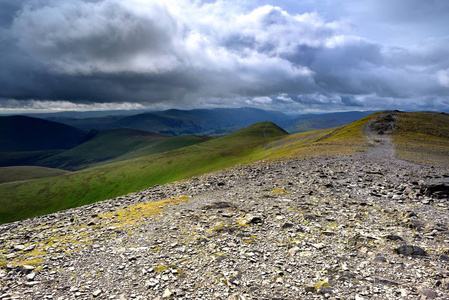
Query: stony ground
point(367, 226)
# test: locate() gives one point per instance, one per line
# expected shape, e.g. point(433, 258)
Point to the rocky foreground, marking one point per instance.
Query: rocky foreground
point(367, 226)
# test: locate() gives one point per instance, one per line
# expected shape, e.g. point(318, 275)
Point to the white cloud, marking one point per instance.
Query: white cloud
point(261, 100)
point(284, 98)
point(55, 106)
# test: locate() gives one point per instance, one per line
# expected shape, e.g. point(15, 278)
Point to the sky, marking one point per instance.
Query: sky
point(292, 56)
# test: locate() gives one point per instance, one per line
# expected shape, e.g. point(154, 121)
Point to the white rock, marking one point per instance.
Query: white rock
point(293, 251)
point(31, 276)
point(96, 293)
point(319, 246)
point(167, 293)
point(19, 247)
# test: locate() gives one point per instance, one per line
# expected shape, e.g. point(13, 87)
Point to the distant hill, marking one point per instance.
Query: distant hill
point(26, 141)
point(20, 133)
point(218, 121)
point(116, 145)
point(87, 123)
point(213, 121)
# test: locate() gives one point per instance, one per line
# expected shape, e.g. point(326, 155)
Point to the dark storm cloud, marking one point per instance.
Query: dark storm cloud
point(187, 54)
point(8, 10)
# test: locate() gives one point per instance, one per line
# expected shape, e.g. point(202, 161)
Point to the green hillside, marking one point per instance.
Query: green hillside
point(41, 196)
point(25, 158)
point(11, 174)
point(322, 121)
point(116, 145)
point(343, 140)
point(423, 137)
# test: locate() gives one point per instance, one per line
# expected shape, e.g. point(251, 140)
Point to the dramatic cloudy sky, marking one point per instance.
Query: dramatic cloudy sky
point(289, 55)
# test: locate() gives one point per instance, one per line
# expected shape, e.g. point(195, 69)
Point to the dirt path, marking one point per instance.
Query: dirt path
point(378, 132)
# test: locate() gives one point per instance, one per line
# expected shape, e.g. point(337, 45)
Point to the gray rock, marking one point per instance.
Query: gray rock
point(380, 259)
point(328, 233)
point(383, 281)
point(253, 219)
point(31, 283)
point(287, 225)
point(428, 293)
point(410, 250)
point(152, 283)
point(309, 289)
point(444, 257)
point(325, 290)
point(438, 187)
point(393, 237)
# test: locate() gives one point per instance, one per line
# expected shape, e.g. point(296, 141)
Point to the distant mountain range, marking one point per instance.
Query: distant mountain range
point(76, 143)
point(212, 122)
point(179, 122)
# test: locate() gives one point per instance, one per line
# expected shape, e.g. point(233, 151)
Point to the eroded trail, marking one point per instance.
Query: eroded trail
point(378, 133)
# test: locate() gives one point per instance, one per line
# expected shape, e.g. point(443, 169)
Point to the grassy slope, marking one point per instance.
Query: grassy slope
point(423, 137)
point(347, 139)
point(25, 158)
point(41, 196)
point(322, 121)
point(11, 174)
point(116, 145)
point(162, 145)
point(317, 124)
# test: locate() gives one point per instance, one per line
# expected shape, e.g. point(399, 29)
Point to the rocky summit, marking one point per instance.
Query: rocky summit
point(366, 226)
